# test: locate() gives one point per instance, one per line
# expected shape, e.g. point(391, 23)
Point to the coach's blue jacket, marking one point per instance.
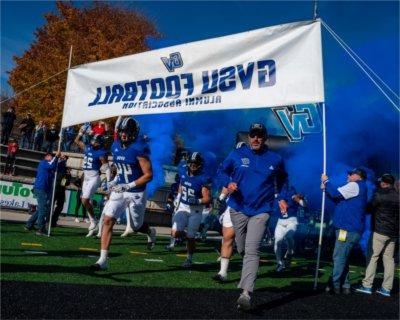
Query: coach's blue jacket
point(256, 175)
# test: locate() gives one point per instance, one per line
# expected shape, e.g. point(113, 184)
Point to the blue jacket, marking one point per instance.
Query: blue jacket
point(256, 175)
point(351, 202)
point(45, 174)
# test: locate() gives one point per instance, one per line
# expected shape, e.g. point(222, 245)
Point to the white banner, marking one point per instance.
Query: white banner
point(275, 66)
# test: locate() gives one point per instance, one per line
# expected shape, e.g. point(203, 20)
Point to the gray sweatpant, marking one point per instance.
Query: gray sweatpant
point(248, 233)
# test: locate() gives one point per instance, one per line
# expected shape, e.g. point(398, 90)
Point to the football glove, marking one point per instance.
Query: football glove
point(111, 184)
point(122, 187)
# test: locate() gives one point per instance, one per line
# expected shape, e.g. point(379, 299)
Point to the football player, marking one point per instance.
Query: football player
point(193, 195)
point(95, 157)
point(134, 171)
point(287, 225)
point(228, 233)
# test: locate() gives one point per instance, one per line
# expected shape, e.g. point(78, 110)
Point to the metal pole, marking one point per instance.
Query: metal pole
point(58, 150)
point(321, 228)
point(315, 16)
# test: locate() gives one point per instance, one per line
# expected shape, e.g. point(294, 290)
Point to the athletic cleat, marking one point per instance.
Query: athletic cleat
point(93, 225)
point(169, 248)
point(98, 236)
point(91, 233)
point(220, 278)
point(288, 259)
point(363, 289)
point(383, 291)
point(244, 303)
point(187, 264)
point(127, 232)
point(77, 220)
point(280, 268)
point(151, 239)
point(98, 267)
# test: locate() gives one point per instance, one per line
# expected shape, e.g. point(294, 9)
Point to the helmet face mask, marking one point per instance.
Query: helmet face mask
point(128, 130)
point(97, 141)
point(195, 163)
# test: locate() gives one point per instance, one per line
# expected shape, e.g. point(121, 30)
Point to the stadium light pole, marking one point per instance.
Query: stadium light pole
point(58, 150)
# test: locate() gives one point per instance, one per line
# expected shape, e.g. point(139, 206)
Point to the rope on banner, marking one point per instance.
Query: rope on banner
point(358, 63)
point(33, 86)
point(362, 61)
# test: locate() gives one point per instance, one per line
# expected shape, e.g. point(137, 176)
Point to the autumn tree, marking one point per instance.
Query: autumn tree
point(101, 31)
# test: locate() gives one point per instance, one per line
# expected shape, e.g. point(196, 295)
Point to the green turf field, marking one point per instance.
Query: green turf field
point(64, 258)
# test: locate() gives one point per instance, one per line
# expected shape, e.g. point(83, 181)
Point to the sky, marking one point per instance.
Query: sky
point(362, 126)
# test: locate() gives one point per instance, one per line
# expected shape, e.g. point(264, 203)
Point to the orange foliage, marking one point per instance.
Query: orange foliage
point(101, 31)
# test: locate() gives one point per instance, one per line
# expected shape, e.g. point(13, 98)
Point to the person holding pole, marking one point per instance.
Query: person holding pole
point(253, 171)
point(42, 190)
point(62, 182)
point(95, 157)
point(128, 189)
point(348, 219)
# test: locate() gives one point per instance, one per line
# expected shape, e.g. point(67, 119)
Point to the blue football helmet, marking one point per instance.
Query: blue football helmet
point(130, 127)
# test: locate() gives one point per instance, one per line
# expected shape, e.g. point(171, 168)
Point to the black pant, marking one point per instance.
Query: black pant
point(10, 162)
point(5, 133)
point(59, 199)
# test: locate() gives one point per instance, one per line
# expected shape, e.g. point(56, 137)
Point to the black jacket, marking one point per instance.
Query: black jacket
point(51, 135)
point(385, 209)
point(8, 119)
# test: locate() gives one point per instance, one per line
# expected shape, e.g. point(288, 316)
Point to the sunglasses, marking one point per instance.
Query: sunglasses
point(256, 134)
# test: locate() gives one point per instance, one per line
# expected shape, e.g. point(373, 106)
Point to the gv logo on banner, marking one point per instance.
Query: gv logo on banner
point(173, 62)
point(298, 120)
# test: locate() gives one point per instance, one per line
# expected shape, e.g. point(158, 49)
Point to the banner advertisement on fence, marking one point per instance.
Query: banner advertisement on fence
point(17, 195)
point(268, 67)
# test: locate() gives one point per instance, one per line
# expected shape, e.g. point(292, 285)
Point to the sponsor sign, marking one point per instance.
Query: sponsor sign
point(18, 195)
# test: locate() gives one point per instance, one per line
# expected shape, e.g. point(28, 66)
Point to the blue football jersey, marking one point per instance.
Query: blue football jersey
point(191, 187)
point(128, 167)
point(91, 160)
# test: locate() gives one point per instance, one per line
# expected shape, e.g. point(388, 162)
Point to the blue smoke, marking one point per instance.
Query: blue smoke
point(362, 130)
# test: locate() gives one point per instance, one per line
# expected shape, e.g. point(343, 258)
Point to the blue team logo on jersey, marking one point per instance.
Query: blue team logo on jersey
point(173, 62)
point(298, 120)
point(245, 162)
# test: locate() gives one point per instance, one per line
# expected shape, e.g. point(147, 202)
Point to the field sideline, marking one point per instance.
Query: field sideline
point(34, 265)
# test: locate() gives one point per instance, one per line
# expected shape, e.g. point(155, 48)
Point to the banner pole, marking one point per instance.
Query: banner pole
point(58, 150)
point(321, 228)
